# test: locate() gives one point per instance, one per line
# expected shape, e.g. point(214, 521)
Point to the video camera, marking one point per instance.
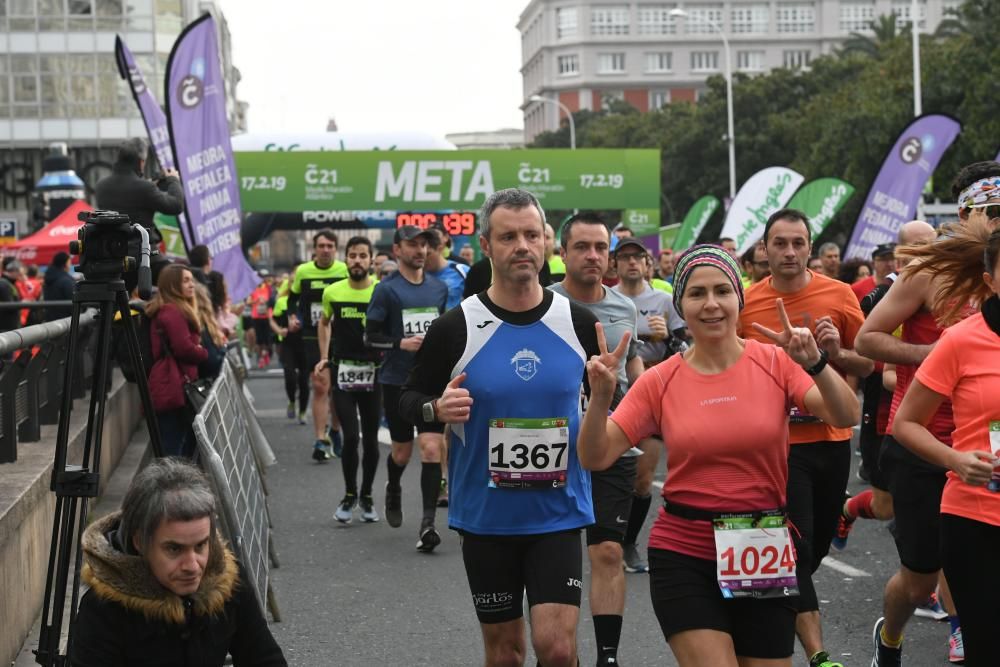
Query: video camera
point(104, 246)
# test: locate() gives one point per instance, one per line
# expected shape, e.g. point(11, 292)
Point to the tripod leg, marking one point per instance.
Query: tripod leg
point(132, 341)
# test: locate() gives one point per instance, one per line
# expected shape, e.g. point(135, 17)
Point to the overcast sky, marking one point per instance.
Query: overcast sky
point(435, 65)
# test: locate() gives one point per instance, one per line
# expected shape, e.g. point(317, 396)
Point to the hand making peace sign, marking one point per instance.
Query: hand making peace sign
point(797, 342)
point(602, 369)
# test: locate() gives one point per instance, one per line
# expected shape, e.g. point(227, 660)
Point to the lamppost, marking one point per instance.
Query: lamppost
point(915, 32)
point(729, 96)
point(569, 116)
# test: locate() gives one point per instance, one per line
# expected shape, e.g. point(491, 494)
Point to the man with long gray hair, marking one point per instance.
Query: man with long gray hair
point(164, 588)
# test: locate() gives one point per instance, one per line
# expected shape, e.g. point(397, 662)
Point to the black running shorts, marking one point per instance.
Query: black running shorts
point(916, 499)
point(310, 353)
point(401, 430)
point(502, 567)
point(612, 493)
point(686, 596)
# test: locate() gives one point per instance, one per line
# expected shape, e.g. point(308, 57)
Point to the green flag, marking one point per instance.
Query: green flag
point(820, 200)
point(668, 235)
point(695, 221)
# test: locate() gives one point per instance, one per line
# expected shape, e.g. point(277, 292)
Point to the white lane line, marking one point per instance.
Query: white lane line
point(829, 561)
point(844, 568)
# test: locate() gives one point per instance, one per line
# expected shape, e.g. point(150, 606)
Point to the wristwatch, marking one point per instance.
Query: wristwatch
point(428, 411)
point(818, 367)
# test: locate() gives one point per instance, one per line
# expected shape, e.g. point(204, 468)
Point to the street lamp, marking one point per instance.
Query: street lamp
point(729, 96)
point(569, 116)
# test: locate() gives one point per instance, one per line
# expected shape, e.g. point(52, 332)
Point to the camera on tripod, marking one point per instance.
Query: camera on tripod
point(109, 245)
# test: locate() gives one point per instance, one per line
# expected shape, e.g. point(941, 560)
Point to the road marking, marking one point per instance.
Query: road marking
point(829, 561)
point(844, 568)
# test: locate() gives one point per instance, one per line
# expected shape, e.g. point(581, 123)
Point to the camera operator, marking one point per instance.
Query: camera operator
point(127, 192)
point(163, 587)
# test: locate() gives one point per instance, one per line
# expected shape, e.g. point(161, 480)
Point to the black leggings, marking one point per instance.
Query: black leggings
point(293, 365)
point(349, 404)
point(968, 552)
point(817, 478)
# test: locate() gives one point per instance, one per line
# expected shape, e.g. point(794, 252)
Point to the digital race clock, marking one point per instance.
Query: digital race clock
point(456, 223)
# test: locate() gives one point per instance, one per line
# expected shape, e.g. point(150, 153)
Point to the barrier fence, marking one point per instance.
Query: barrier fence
point(234, 452)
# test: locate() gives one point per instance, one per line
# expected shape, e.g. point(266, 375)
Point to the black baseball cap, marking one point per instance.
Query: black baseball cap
point(410, 232)
point(883, 249)
point(630, 241)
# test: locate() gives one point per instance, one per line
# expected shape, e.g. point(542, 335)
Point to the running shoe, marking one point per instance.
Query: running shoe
point(290, 410)
point(322, 451)
point(956, 648)
point(302, 417)
point(345, 510)
point(338, 443)
point(931, 609)
point(368, 513)
point(822, 659)
point(393, 506)
point(429, 537)
point(443, 494)
point(633, 561)
point(883, 655)
point(844, 525)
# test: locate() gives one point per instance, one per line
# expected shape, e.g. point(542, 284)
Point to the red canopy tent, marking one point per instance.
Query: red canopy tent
point(42, 246)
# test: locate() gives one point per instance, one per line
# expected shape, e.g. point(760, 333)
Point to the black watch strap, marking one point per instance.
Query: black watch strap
point(818, 367)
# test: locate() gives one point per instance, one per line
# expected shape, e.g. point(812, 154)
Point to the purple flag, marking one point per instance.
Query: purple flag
point(152, 117)
point(199, 133)
point(893, 197)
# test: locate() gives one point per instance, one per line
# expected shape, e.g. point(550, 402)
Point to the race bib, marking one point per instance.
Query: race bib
point(753, 555)
point(994, 484)
point(356, 375)
point(315, 313)
point(529, 453)
point(416, 321)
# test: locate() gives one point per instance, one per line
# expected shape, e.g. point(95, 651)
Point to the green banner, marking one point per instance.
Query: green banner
point(695, 221)
point(820, 200)
point(173, 243)
point(444, 180)
point(668, 235)
point(642, 221)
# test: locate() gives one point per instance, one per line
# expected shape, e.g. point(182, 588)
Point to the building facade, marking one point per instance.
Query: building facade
point(59, 82)
point(586, 53)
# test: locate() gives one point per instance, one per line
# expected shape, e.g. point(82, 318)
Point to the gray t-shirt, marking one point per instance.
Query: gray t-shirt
point(617, 313)
point(653, 302)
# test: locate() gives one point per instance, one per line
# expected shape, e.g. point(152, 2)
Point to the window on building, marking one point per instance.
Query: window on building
point(750, 61)
point(611, 63)
point(856, 16)
point(566, 22)
point(568, 65)
point(796, 17)
point(659, 61)
point(951, 8)
point(22, 15)
point(609, 20)
point(797, 59)
point(609, 97)
point(658, 99)
point(704, 61)
point(901, 10)
point(750, 19)
point(656, 20)
point(700, 19)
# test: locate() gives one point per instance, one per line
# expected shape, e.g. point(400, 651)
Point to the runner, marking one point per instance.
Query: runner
point(509, 363)
point(915, 484)
point(723, 408)
point(450, 272)
point(964, 368)
point(755, 265)
point(400, 312)
point(291, 353)
point(585, 242)
point(829, 255)
point(260, 312)
point(660, 328)
point(820, 458)
point(305, 307)
point(352, 370)
point(553, 260)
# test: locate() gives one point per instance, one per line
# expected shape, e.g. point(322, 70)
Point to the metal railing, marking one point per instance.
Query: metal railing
point(32, 367)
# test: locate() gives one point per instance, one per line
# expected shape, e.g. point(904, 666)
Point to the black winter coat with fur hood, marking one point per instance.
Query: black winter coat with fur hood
point(128, 619)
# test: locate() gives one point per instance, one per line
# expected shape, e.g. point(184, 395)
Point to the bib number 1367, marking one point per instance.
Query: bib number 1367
point(528, 453)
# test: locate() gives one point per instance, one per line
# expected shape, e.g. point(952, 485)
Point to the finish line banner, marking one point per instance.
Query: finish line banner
point(437, 180)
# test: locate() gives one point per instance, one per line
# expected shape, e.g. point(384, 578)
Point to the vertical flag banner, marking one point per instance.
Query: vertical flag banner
point(156, 126)
point(668, 236)
point(199, 133)
point(764, 193)
point(820, 200)
point(695, 220)
point(894, 194)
